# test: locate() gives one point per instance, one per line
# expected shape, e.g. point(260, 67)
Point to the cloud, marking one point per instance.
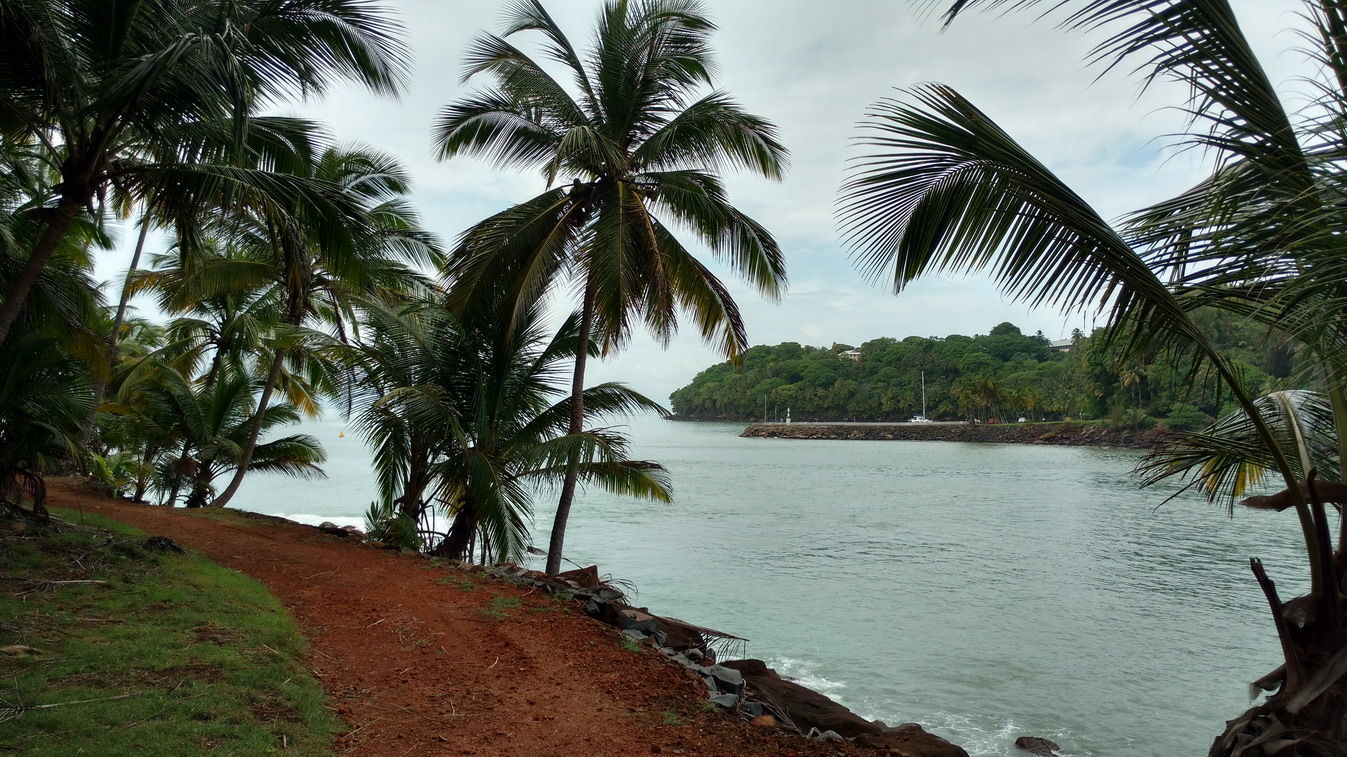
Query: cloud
point(813, 68)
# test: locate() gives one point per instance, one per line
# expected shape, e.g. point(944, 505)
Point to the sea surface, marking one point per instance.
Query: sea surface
point(986, 591)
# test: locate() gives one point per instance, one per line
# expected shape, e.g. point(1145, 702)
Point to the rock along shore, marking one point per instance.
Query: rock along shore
point(1067, 434)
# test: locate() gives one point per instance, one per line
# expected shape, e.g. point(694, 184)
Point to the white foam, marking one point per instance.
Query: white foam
point(989, 737)
point(805, 673)
point(313, 520)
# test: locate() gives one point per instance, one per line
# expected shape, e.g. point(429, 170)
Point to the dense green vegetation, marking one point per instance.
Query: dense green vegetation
point(138, 651)
point(299, 274)
point(1002, 375)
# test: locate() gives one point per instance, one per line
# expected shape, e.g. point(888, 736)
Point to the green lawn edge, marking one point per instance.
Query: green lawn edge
point(211, 660)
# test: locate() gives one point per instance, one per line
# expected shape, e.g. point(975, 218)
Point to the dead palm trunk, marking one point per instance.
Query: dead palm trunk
point(558, 539)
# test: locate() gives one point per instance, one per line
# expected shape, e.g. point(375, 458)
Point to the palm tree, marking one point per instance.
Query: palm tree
point(319, 262)
point(629, 149)
point(943, 187)
point(463, 414)
point(155, 97)
point(44, 396)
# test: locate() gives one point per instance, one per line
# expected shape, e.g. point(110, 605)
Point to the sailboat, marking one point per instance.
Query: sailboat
point(921, 418)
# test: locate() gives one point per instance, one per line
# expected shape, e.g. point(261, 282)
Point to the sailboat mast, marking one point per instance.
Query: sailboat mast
point(923, 394)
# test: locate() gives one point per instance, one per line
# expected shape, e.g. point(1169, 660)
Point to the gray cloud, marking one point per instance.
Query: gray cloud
point(813, 68)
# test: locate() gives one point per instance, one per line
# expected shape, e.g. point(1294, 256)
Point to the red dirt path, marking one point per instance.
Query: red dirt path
point(415, 666)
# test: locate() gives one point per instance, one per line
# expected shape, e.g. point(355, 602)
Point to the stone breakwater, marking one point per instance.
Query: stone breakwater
point(1068, 434)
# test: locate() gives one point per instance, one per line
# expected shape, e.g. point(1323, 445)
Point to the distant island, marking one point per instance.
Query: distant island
point(1001, 376)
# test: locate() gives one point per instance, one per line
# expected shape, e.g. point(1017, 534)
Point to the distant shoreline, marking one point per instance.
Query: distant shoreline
point(1062, 434)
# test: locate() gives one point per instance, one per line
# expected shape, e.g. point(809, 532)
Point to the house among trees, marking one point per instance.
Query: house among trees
point(852, 355)
point(1061, 345)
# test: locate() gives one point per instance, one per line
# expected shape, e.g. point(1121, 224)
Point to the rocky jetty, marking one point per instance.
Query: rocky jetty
point(1067, 434)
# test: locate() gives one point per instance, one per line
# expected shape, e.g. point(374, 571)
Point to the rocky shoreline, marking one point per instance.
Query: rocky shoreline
point(1065, 434)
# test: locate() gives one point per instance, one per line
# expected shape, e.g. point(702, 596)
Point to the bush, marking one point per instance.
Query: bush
point(1187, 417)
point(384, 523)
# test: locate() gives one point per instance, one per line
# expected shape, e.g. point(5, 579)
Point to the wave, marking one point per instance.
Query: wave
point(312, 520)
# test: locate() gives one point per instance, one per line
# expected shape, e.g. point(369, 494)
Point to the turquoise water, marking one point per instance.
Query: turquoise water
point(985, 591)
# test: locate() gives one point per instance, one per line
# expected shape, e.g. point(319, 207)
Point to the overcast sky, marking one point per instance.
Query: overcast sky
point(813, 68)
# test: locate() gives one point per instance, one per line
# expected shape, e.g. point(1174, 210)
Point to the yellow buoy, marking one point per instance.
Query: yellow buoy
point(341, 434)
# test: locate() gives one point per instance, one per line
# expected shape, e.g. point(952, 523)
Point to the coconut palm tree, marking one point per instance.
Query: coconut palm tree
point(318, 262)
point(156, 97)
point(943, 187)
point(464, 415)
point(631, 148)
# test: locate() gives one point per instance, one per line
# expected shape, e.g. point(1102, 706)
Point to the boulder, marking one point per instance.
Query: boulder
point(630, 617)
point(726, 700)
point(809, 710)
point(805, 707)
point(328, 527)
point(1038, 745)
point(911, 740)
point(727, 680)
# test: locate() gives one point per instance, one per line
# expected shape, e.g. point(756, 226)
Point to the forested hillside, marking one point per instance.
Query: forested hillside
point(1002, 375)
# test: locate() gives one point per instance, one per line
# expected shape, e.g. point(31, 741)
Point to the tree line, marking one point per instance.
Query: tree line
point(1003, 376)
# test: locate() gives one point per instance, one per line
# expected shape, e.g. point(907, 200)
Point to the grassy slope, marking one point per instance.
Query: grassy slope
point(212, 661)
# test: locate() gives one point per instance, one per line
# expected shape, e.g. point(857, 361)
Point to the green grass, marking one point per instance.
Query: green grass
point(211, 661)
point(500, 606)
point(464, 585)
point(629, 644)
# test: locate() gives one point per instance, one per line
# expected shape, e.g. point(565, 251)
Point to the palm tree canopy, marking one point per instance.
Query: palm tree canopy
point(473, 404)
point(640, 144)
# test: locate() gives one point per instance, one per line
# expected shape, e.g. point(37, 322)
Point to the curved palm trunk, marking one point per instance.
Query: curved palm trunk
point(17, 295)
point(558, 540)
point(246, 458)
point(114, 338)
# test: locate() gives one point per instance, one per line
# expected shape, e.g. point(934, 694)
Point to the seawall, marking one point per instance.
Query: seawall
point(1067, 434)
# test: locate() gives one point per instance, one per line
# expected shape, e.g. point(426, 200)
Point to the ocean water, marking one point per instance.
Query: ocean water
point(984, 591)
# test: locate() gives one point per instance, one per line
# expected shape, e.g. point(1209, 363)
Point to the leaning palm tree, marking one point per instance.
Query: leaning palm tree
point(156, 97)
point(632, 147)
point(468, 421)
point(942, 187)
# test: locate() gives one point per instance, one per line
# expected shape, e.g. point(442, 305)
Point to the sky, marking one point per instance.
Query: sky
point(813, 68)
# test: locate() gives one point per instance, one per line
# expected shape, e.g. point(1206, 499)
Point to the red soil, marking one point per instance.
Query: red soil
point(415, 664)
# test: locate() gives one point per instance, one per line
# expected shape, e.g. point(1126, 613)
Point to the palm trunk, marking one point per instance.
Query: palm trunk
point(558, 540)
point(61, 219)
point(114, 338)
point(246, 458)
point(1337, 395)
